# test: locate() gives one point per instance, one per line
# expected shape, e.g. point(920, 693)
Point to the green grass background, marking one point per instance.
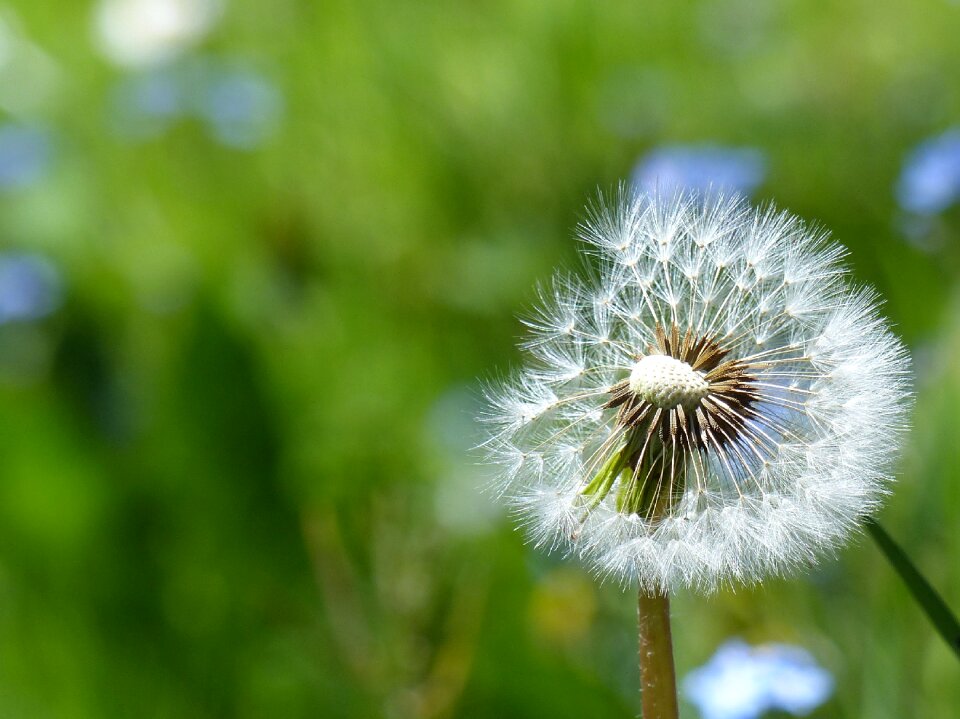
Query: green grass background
point(233, 470)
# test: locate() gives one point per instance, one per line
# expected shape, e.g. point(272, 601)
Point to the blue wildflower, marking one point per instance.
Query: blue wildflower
point(703, 168)
point(25, 155)
point(744, 682)
point(930, 180)
point(30, 287)
point(241, 107)
point(146, 103)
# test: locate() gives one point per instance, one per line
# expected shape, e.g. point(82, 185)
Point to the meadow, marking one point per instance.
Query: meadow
point(255, 259)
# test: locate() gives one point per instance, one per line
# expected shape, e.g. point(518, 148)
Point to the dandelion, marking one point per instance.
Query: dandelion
point(719, 404)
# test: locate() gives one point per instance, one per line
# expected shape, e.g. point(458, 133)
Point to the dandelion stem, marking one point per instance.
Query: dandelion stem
point(926, 596)
point(658, 683)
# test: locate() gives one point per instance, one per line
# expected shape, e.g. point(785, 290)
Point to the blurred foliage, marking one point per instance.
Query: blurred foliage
point(233, 467)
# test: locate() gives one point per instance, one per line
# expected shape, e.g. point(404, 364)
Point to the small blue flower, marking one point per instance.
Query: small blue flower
point(146, 103)
point(242, 108)
point(743, 682)
point(704, 168)
point(30, 287)
point(25, 155)
point(930, 180)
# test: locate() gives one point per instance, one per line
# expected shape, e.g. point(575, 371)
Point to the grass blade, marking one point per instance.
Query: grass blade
point(927, 597)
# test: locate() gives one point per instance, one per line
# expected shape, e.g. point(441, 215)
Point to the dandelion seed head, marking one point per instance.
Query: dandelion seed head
point(721, 404)
point(666, 382)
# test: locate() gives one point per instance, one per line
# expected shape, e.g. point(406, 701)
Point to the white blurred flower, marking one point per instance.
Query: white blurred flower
point(744, 682)
point(137, 33)
point(719, 404)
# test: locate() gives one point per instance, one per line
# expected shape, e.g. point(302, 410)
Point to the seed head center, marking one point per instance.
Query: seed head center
point(666, 382)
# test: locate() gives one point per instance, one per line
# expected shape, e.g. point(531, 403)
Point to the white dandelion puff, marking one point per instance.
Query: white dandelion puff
point(720, 404)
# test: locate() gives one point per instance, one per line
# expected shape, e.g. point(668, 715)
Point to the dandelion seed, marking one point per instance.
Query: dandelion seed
point(721, 405)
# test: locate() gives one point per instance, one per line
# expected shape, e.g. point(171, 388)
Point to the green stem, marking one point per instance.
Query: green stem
point(658, 683)
point(927, 597)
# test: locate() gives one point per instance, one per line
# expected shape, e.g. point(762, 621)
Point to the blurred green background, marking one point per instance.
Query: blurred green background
point(254, 257)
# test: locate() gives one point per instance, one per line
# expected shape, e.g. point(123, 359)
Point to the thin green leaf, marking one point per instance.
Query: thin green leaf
point(927, 597)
